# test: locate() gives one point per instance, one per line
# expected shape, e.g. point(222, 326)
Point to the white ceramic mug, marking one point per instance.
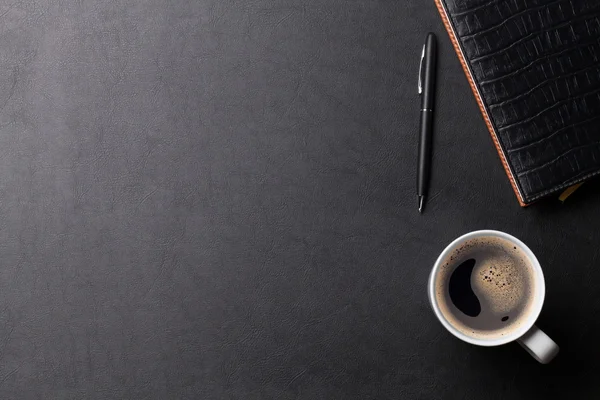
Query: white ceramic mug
point(529, 336)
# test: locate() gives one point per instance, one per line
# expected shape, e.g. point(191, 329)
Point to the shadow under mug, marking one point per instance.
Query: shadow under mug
point(529, 336)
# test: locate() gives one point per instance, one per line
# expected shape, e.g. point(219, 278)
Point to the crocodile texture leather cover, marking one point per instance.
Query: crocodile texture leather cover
point(535, 70)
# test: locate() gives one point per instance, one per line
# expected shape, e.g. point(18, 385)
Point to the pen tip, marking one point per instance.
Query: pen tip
point(421, 200)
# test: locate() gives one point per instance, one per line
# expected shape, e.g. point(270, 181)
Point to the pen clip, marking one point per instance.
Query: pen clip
point(420, 84)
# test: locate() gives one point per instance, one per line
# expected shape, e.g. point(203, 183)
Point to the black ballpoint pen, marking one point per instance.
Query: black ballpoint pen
point(426, 84)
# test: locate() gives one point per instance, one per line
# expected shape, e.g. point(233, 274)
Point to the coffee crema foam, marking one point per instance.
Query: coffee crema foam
point(501, 279)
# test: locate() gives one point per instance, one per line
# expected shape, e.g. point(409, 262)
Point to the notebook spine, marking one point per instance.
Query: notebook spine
point(465, 66)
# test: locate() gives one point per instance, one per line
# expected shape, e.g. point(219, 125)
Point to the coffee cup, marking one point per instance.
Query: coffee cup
point(487, 288)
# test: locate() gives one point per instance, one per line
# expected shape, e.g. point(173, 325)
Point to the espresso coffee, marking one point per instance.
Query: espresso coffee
point(485, 288)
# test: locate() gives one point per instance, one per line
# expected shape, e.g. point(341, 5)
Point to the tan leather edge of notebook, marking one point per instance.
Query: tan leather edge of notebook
point(488, 122)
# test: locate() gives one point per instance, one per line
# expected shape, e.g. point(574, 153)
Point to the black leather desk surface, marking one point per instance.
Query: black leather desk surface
point(216, 200)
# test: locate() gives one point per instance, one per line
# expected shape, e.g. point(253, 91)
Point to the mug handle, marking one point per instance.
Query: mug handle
point(539, 345)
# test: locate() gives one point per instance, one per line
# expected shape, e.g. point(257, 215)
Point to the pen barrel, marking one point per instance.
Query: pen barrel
point(425, 144)
point(429, 72)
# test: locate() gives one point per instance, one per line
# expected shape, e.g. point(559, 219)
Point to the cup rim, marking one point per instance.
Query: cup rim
point(538, 301)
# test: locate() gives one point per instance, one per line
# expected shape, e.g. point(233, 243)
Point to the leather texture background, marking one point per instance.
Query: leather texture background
point(215, 199)
point(537, 67)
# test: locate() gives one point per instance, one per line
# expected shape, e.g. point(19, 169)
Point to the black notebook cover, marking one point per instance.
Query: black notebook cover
point(534, 67)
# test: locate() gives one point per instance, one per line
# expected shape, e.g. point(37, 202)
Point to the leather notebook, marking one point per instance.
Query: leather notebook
point(534, 67)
